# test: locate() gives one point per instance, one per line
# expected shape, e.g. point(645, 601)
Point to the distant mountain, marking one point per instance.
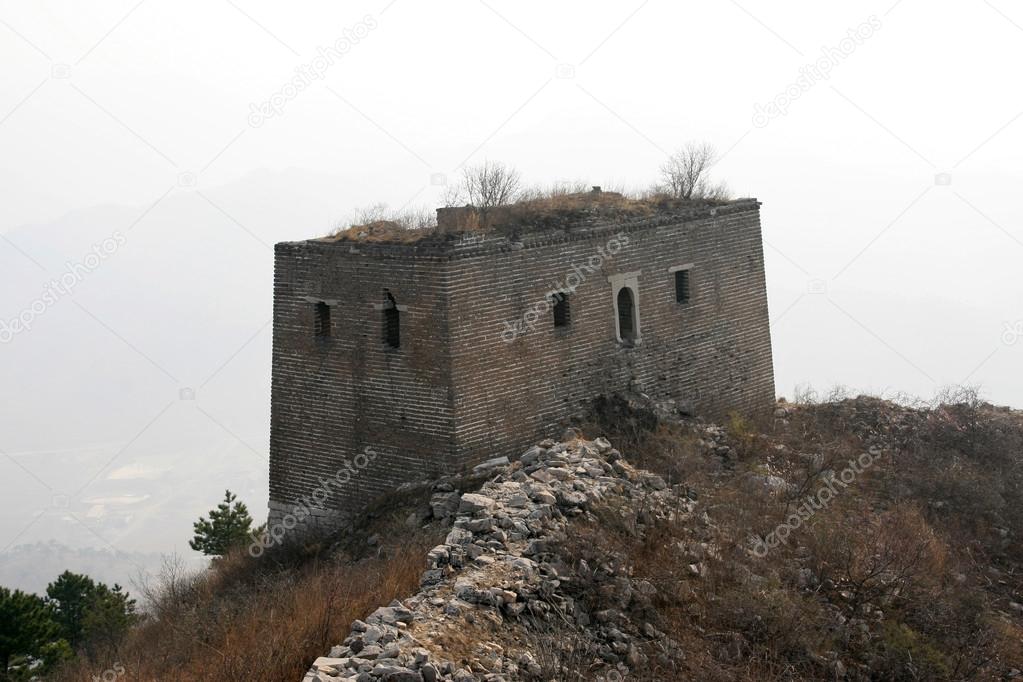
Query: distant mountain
point(25, 567)
point(141, 389)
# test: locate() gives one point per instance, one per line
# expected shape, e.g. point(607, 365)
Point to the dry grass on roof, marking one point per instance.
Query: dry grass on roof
point(536, 211)
point(386, 231)
point(559, 211)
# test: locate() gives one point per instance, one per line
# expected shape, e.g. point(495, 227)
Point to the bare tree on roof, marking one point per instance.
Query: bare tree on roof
point(684, 174)
point(490, 184)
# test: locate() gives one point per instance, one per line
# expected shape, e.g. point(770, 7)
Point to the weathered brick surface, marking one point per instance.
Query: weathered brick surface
point(463, 386)
point(334, 397)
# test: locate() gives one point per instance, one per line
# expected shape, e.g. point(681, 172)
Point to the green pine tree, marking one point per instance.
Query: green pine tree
point(92, 616)
point(26, 628)
point(70, 596)
point(110, 614)
point(229, 525)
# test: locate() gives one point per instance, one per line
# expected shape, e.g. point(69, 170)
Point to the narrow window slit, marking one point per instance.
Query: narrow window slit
point(392, 321)
point(682, 286)
point(562, 313)
point(321, 320)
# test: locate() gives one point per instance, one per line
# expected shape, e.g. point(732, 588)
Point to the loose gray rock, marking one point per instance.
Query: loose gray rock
point(499, 561)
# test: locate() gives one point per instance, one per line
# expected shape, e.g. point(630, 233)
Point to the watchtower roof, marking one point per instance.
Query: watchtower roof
point(560, 217)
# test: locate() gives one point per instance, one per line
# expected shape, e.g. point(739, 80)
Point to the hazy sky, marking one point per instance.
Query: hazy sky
point(156, 150)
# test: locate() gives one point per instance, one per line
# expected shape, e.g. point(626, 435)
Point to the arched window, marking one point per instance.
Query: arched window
point(392, 321)
point(626, 315)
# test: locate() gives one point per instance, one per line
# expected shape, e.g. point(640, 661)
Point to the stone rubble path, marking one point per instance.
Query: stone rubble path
point(495, 575)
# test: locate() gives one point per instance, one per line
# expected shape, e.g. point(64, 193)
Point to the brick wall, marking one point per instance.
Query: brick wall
point(710, 354)
point(333, 397)
point(470, 381)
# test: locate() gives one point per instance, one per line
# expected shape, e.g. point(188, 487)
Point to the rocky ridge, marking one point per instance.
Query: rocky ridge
point(496, 584)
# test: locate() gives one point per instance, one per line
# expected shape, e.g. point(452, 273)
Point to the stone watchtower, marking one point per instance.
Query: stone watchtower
point(403, 356)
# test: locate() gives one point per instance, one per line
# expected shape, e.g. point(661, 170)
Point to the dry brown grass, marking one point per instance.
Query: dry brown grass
point(379, 231)
point(548, 210)
point(242, 620)
point(534, 210)
point(269, 618)
point(599, 202)
point(907, 574)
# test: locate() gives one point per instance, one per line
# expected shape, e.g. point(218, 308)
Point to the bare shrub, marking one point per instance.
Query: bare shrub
point(490, 184)
point(957, 395)
point(804, 394)
point(381, 223)
point(625, 424)
point(838, 393)
point(365, 215)
point(779, 626)
point(562, 656)
point(553, 190)
point(409, 218)
point(877, 559)
point(741, 433)
point(684, 174)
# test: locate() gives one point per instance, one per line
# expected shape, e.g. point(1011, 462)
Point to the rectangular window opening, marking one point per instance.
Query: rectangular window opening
point(392, 328)
point(562, 314)
point(321, 320)
point(683, 286)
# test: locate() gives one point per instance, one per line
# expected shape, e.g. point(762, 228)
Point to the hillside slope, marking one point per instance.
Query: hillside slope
point(851, 540)
point(497, 597)
point(860, 540)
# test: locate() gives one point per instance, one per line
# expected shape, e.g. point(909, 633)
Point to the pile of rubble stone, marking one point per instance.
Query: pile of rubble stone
point(496, 581)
